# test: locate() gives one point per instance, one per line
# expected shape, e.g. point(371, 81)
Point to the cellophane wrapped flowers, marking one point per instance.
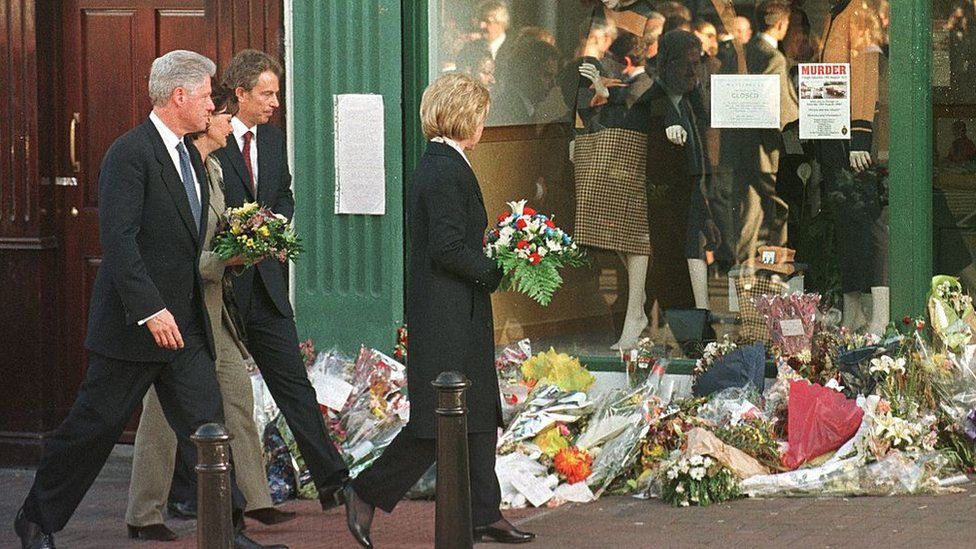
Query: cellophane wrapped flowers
point(790, 320)
point(254, 232)
point(531, 249)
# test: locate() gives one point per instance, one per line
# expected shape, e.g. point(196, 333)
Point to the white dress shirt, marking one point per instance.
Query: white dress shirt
point(239, 130)
point(769, 40)
point(454, 145)
point(170, 141)
point(496, 44)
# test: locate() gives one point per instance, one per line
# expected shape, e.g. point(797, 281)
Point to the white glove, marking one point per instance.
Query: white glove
point(591, 73)
point(860, 161)
point(612, 4)
point(572, 149)
point(677, 134)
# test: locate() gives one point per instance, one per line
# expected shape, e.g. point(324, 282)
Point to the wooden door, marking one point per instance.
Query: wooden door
point(108, 47)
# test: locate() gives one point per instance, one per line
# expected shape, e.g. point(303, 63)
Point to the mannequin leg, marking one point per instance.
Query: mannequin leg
point(636, 319)
point(879, 310)
point(853, 318)
point(699, 282)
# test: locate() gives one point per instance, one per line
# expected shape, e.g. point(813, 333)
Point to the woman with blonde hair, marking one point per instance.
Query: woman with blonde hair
point(449, 313)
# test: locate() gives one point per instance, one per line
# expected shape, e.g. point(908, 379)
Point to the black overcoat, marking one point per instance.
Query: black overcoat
point(449, 294)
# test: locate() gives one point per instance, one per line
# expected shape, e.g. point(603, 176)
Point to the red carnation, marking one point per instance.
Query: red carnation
point(528, 211)
point(522, 244)
point(503, 217)
point(534, 258)
point(520, 223)
point(920, 325)
point(550, 224)
point(907, 320)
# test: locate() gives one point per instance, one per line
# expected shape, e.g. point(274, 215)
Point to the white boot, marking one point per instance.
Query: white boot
point(853, 318)
point(879, 310)
point(698, 271)
point(636, 319)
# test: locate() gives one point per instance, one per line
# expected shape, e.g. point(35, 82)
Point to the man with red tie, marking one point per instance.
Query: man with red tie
point(256, 170)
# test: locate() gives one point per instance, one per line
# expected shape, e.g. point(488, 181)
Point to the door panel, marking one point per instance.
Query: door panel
point(107, 50)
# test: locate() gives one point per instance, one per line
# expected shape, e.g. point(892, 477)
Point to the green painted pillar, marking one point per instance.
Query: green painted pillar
point(910, 184)
point(349, 283)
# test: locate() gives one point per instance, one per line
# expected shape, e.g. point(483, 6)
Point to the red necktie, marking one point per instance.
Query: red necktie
point(246, 151)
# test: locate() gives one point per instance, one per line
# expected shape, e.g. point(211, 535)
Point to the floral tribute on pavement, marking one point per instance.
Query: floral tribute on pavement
point(846, 414)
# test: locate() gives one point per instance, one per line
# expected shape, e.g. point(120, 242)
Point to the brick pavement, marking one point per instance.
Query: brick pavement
point(925, 521)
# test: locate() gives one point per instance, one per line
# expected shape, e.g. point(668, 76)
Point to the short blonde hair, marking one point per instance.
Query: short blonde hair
point(453, 106)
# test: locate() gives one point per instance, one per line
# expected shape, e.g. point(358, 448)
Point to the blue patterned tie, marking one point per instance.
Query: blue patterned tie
point(186, 170)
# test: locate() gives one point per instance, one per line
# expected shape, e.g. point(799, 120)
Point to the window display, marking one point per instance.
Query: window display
point(601, 118)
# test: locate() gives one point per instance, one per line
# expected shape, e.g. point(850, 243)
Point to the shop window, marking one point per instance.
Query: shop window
point(683, 200)
point(954, 152)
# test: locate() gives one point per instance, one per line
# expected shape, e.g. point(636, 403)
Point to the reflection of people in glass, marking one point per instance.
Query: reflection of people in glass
point(742, 30)
point(855, 36)
point(528, 80)
point(493, 21)
point(763, 213)
point(959, 25)
point(963, 149)
point(475, 60)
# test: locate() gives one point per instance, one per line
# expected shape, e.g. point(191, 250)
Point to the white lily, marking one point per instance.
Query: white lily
point(517, 206)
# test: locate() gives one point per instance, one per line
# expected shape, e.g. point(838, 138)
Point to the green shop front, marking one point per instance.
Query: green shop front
point(348, 288)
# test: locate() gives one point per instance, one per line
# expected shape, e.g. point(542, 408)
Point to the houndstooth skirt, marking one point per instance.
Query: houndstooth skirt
point(611, 199)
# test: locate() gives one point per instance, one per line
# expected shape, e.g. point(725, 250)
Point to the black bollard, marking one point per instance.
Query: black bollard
point(452, 518)
point(215, 528)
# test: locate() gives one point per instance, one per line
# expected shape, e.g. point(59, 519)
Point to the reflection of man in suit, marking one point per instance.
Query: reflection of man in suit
point(764, 214)
point(256, 169)
point(147, 324)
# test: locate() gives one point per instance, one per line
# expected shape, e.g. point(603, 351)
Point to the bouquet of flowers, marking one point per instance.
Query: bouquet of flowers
point(698, 480)
point(530, 249)
point(254, 232)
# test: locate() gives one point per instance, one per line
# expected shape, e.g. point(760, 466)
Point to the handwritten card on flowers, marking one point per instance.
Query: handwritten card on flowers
point(530, 249)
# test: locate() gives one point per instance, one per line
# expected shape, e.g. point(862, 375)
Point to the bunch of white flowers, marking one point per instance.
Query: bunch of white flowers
point(697, 480)
point(887, 365)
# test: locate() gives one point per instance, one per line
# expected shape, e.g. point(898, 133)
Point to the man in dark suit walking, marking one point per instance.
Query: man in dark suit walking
point(764, 213)
point(147, 324)
point(256, 170)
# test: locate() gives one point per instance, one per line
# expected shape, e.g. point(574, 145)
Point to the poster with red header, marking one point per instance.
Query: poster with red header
point(825, 100)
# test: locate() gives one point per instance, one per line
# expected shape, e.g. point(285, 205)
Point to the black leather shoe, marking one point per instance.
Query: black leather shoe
point(154, 532)
point(359, 516)
point(243, 542)
point(502, 532)
point(270, 515)
point(30, 534)
point(183, 510)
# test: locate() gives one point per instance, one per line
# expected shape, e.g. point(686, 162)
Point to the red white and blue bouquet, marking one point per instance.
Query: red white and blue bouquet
point(531, 249)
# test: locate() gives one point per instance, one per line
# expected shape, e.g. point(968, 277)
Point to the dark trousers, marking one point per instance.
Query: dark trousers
point(408, 458)
point(272, 340)
point(112, 390)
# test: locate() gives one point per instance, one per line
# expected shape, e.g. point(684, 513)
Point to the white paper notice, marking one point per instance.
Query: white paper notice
point(745, 101)
point(360, 186)
point(825, 100)
point(576, 493)
point(331, 391)
point(532, 488)
point(791, 327)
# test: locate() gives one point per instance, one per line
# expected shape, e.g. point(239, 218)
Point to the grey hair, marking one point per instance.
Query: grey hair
point(177, 69)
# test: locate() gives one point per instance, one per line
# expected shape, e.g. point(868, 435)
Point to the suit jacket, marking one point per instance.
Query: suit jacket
point(150, 249)
point(274, 192)
point(448, 299)
point(762, 148)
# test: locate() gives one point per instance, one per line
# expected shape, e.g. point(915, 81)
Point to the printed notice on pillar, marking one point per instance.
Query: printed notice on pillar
point(745, 101)
point(360, 182)
point(825, 100)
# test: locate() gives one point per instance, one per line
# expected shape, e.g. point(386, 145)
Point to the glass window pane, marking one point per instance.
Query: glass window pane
point(954, 154)
point(602, 116)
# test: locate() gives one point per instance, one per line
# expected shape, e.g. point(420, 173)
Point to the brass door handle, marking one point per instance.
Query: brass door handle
point(75, 120)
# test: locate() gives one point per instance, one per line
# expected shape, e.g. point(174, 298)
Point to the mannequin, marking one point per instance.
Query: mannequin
point(609, 156)
point(854, 34)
